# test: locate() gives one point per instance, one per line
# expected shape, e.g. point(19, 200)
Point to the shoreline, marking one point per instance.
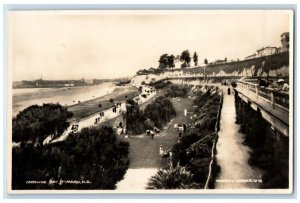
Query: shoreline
point(92, 105)
point(64, 96)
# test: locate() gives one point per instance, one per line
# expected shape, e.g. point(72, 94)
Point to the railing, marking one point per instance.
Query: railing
point(281, 99)
point(275, 97)
point(265, 93)
point(212, 163)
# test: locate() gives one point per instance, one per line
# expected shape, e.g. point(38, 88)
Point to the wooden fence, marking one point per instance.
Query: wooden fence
point(210, 177)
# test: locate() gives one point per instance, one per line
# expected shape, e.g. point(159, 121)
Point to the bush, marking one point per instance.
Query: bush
point(161, 84)
point(35, 123)
point(179, 149)
point(160, 111)
point(93, 154)
point(134, 117)
point(177, 91)
point(199, 167)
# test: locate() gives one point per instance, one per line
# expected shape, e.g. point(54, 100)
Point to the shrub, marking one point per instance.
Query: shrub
point(35, 123)
point(160, 111)
point(161, 84)
point(134, 117)
point(93, 154)
point(177, 90)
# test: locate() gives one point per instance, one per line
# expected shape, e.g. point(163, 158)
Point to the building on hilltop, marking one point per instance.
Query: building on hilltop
point(266, 51)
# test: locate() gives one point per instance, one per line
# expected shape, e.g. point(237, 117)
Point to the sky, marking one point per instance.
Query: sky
point(99, 44)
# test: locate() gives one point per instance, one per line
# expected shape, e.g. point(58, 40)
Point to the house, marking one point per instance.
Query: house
point(266, 51)
point(218, 61)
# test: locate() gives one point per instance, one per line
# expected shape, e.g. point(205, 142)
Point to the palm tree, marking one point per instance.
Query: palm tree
point(173, 178)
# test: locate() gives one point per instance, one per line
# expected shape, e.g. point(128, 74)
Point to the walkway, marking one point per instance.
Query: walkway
point(232, 155)
point(109, 115)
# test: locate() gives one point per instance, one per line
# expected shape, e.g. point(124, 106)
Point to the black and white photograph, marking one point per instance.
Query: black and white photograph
point(150, 101)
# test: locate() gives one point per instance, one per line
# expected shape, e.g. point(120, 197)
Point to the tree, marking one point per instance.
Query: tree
point(149, 124)
point(166, 61)
point(36, 122)
point(173, 178)
point(171, 61)
point(157, 113)
point(185, 58)
point(195, 58)
point(99, 156)
point(94, 154)
point(160, 111)
point(134, 117)
point(163, 61)
point(205, 61)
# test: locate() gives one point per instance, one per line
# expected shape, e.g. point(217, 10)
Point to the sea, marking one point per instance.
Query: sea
point(66, 96)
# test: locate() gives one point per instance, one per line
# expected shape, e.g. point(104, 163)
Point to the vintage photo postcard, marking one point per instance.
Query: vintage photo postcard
point(186, 101)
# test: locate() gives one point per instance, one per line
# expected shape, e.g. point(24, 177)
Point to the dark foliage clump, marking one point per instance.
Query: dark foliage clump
point(177, 90)
point(134, 117)
point(94, 158)
point(158, 113)
point(35, 123)
point(160, 84)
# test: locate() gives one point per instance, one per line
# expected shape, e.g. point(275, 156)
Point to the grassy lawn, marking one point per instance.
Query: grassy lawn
point(92, 106)
point(144, 151)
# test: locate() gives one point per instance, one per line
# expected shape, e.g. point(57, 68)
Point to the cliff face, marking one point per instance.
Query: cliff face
point(276, 65)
